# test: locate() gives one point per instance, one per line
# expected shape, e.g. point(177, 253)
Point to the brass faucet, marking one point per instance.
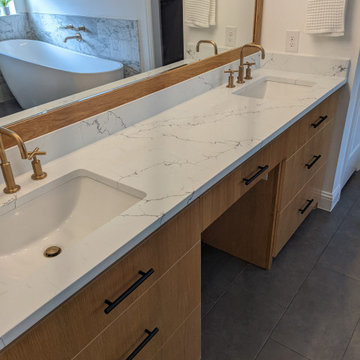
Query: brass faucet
point(77, 36)
point(72, 27)
point(213, 43)
point(10, 186)
point(240, 78)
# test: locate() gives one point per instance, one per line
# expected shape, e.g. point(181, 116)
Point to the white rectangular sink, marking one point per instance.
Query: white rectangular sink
point(273, 88)
point(59, 214)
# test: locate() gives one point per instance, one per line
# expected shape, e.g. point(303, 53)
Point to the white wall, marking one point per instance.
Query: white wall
point(125, 9)
point(239, 13)
point(282, 15)
point(20, 6)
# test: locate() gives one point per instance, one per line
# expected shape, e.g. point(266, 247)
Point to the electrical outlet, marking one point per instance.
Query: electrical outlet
point(230, 36)
point(292, 41)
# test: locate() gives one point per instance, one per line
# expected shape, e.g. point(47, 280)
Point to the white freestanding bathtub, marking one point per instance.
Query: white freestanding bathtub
point(37, 72)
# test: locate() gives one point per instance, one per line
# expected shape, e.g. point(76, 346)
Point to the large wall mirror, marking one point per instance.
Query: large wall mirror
point(57, 53)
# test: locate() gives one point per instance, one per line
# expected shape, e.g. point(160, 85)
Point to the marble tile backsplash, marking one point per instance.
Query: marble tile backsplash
point(109, 38)
point(15, 27)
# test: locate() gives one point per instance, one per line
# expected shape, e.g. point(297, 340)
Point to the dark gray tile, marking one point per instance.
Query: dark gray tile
point(289, 269)
point(218, 271)
point(321, 319)
point(355, 210)
point(343, 252)
point(238, 325)
point(324, 222)
point(353, 351)
point(351, 191)
point(9, 107)
point(275, 351)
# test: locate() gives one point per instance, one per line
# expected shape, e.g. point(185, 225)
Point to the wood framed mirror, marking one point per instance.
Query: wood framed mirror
point(54, 119)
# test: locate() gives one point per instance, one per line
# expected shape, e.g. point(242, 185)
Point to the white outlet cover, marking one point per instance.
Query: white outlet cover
point(230, 36)
point(292, 41)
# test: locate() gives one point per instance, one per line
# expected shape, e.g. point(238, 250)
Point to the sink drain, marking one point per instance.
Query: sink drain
point(52, 251)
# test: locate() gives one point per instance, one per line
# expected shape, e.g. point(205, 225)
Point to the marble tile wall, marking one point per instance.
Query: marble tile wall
point(13, 27)
point(109, 38)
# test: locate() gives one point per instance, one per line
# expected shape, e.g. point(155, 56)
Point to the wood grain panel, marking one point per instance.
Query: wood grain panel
point(81, 318)
point(290, 218)
point(258, 21)
point(185, 343)
point(246, 229)
point(165, 306)
point(296, 174)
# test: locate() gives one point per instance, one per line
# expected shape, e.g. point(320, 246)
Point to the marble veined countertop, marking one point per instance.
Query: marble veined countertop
point(172, 157)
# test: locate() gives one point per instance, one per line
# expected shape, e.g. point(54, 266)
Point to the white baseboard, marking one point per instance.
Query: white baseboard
point(328, 200)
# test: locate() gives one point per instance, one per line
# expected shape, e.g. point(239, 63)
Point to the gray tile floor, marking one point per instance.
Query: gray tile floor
point(306, 307)
point(9, 107)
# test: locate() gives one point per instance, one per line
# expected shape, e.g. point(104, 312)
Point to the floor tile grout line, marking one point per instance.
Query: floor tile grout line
point(302, 284)
point(328, 267)
point(225, 292)
point(296, 352)
point(353, 333)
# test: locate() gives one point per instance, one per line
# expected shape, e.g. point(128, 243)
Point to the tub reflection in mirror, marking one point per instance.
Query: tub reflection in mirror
point(38, 72)
point(146, 37)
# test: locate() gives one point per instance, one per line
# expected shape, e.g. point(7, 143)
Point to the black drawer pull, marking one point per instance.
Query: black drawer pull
point(316, 159)
point(318, 123)
point(309, 202)
point(123, 296)
point(151, 334)
point(261, 171)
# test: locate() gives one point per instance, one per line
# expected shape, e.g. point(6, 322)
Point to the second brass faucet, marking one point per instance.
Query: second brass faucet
point(213, 43)
point(240, 78)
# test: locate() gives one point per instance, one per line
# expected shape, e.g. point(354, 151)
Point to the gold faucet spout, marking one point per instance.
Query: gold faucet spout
point(11, 187)
point(241, 68)
point(213, 43)
point(19, 142)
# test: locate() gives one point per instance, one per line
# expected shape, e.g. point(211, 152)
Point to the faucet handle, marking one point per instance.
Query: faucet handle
point(39, 174)
point(248, 70)
point(34, 153)
point(68, 27)
point(231, 78)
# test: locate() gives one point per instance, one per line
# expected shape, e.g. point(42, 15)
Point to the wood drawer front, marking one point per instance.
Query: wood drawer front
point(164, 307)
point(290, 218)
point(305, 163)
point(77, 321)
point(225, 193)
point(302, 131)
point(185, 343)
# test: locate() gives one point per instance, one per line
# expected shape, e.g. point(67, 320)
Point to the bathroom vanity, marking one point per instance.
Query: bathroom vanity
point(239, 169)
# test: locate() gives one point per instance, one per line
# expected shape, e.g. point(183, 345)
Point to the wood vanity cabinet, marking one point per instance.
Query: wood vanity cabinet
point(254, 219)
point(168, 292)
point(251, 213)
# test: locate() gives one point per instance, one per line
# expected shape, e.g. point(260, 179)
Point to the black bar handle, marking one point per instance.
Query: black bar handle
point(261, 171)
point(318, 123)
point(123, 296)
point(309, 202)
point(151, 334)
point(316, 159)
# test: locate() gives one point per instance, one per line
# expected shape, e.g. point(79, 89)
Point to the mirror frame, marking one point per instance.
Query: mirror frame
point(55, 119)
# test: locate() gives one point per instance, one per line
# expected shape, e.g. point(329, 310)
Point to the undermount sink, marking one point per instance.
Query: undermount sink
point(276, 88)
point(59, 214)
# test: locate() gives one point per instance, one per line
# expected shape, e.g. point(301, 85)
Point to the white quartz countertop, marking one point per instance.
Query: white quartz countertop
point(173, 157)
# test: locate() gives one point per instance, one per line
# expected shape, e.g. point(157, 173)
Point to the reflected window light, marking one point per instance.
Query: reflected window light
point(11, 7)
